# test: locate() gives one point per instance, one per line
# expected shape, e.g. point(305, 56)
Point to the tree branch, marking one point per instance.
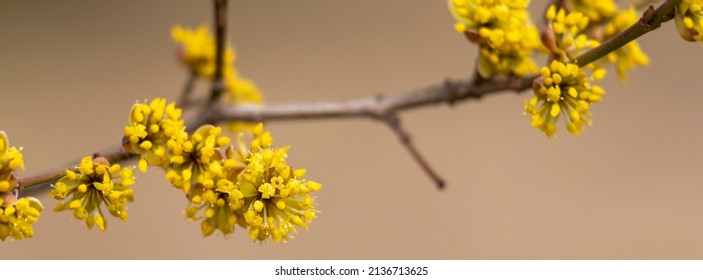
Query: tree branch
point(369, 107)
point(220, 32)
point(651, 20)
point(187, 92)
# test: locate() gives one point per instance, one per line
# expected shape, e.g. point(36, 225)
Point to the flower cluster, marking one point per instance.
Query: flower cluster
point(595, 10)
point(630, 55)
point(504, 32)
point(255, 189)
point(197, 159)
point(563, 89)
point(151, 127)
point(10, 159)
point(16, 214)
point(198, 54)
point(605, 21)
point(198, 51)
point(85, 188)
point(250, 186)
point(507, 38)
point(564, 36)
point(689, 20)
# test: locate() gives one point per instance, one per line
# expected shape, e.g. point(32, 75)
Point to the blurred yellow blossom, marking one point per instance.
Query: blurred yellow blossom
point(689, 20)
point(566, 34)
point(242, 91)
point(198, 51)
point(595, 10)
point(630, 55)
point(10, 159)
point(17, 217)
point(504, 32)
point(16, 214)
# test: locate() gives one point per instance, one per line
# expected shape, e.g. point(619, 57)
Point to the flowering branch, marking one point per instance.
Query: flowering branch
point(651, 20)
point(33, 184)
point(382, 108)
point(378, 108)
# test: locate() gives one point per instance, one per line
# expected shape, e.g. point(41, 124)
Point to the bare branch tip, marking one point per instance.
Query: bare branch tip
point(440, 184)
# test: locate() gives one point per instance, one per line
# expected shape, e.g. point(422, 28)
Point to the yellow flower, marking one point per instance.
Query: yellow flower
point(256, 189)
point(10, 159)
point(504, 32)
point(567, 33)
point(276, 197)
point(150, 128)
point(689, 20)
point(563, 90)
point(17, 217)
point(196, 160)
point(595, 10)
point(630, 55)
point(198, 51)
point(91, 184)
point(242, 91)
point(222, 202)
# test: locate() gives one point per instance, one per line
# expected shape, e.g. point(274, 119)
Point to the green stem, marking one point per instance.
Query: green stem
point(651, 20)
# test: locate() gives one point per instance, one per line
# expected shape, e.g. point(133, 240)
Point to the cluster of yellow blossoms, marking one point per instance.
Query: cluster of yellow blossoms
point(629, 55)
point(255, 189)
point(151, 127)
point(563, 89)
point(250, 186)
point(689, 20)
point(507, 39)
point(565, 38)
point(16, 214)
point(197, 52)
point(94, 182)
point(504, 32)
point(596, 10)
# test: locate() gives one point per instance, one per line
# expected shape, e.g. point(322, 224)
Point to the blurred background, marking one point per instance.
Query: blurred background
point(629, 187)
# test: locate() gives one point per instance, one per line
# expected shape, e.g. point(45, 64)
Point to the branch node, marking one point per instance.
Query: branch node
point(451, 91)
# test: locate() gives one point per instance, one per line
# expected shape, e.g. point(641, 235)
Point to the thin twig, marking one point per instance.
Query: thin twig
point(651, 20)
point(220, 32)
point(188, 90)
point(393, 122)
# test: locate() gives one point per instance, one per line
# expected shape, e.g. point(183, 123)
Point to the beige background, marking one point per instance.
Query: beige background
point(629, 187)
